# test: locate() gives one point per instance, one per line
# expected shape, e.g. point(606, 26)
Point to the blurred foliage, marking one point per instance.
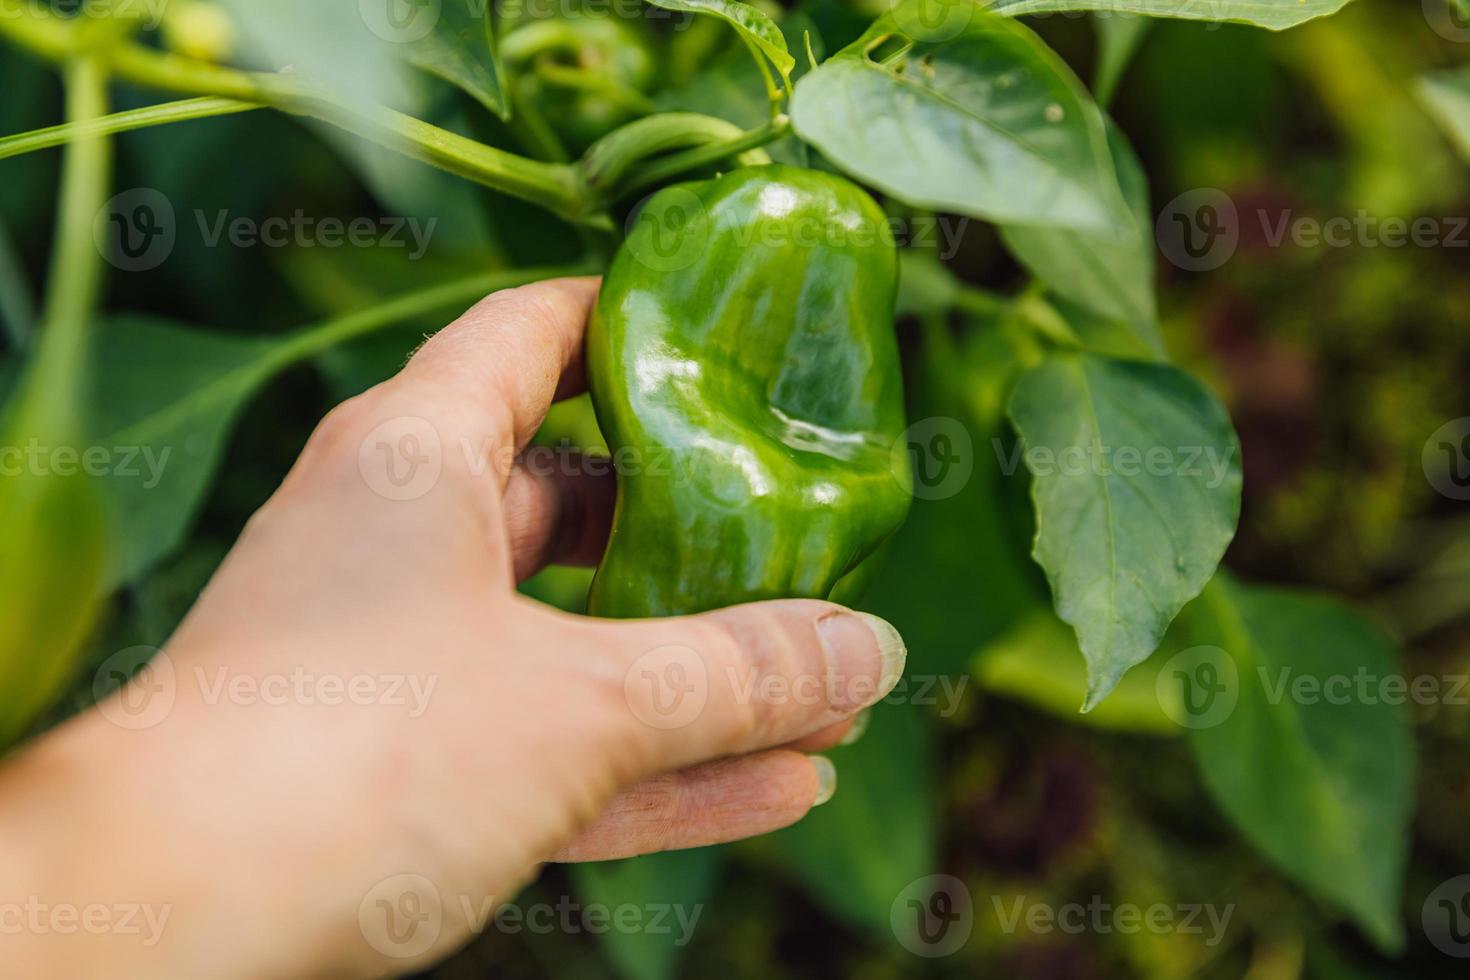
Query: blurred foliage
point(1336, 364)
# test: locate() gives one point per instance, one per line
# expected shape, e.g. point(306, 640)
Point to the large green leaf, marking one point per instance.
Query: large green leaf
point(858, 851)
point(679, 881)
point(1111, 275)
point(1136, 488)
point(977, 116)
point(754, 25)
point(164, 400)
point(1314, 763)
point(461, 50)
point(1275, 14)
point(1447, 97)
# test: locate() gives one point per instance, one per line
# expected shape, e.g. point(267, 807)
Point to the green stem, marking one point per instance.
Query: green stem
point(121, 122)
point(531, 129)
point(566, 76)
point(744, 148)
point(312, 340)
point(550, 185)
point(75, 280)
point(711, 140)
point(982, 302)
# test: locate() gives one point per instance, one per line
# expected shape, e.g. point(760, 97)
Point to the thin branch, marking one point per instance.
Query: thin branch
point(121, 122)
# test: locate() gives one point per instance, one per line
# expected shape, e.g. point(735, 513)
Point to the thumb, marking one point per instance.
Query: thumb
point(746, 678)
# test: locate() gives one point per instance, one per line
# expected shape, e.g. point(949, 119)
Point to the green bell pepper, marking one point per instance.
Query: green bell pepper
point(586, 74)
point(744, 370)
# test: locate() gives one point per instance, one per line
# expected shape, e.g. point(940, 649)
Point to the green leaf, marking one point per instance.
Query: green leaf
point(1118, 38)
point(1275, 14)
point(1136, 489)
point(680, 881)
point(858, 851)
point(977, 116)
point(960, 540)
point(1038, 661)
point(1447, 97)
point(168, 395)
point(165, 399)
point(730, 88)
point(754, 25)
point(461, 50)
point(1322, 784)
point(356, 51)
point(52, 564)
point(1111, 275)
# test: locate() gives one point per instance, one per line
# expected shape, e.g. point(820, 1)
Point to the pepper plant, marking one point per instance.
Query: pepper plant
point(895, 117)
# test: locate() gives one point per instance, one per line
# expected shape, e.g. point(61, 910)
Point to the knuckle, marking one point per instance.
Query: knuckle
point(342, 430)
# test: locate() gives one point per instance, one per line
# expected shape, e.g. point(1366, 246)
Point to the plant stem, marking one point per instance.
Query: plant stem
point(550, 185)
point(565, 76)
point(121, 122)
point(982, 302)
point(711, 140)
point(75, 280)
point(741, 147)
point(311, 340)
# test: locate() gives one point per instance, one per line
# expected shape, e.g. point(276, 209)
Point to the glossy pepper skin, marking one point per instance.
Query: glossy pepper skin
point(744, 369)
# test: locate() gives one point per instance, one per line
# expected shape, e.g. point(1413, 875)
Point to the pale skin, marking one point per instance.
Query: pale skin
point(262, 829)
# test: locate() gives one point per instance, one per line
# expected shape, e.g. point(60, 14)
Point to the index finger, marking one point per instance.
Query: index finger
point(500, 365)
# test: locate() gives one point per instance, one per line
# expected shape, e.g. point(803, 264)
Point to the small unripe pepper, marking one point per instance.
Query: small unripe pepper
point(745, 372)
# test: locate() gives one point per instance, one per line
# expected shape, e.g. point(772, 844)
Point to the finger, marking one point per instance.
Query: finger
point(558, 510)
point(842, 733)
point(742, 679)
point(710, 804)
point(500, 366)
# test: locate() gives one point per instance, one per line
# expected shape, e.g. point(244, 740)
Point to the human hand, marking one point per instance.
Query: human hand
point(529, 735)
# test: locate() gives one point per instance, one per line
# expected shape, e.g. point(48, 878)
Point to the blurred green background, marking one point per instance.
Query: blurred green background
point(1337, 363)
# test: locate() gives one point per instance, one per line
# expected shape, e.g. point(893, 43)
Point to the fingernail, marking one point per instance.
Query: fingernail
point(859, 726)
point(848, 638)
point(826, 778)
